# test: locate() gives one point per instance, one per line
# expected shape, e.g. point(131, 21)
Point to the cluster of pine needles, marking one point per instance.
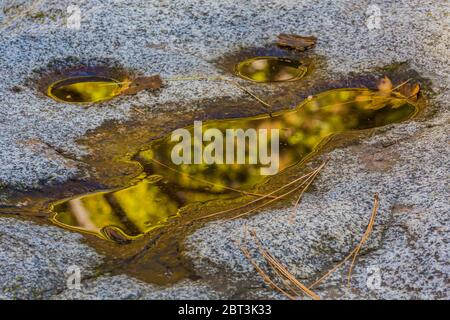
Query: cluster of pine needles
point(300, 184)
point(284, 281)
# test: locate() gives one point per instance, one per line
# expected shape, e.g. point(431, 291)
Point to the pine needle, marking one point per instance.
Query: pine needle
point(294, 210)
point(264, 275)
point(234, 83)
point(365, 236)
point(138, 110)
point(209, 182)
point(278, 197)
point(281, 269)
point(269, 195)
point(355, 251)
point(401, 85)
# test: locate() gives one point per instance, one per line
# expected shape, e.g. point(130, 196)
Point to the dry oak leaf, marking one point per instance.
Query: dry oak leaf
point(143, 83)
point(296, 42)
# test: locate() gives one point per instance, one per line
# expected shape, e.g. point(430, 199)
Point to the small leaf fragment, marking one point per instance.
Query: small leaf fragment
point(410, 91)
point(113, 233)
point(385, 85)
point(143, 83)
point(296, 42)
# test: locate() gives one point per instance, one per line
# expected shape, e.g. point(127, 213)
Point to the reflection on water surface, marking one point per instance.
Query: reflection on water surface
point(270, 69)
point(151, 203)
point(84, 89)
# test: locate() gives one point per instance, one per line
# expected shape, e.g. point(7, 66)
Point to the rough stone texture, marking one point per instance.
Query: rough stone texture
point(34, 259)
point(123, 287)
point(407, 164)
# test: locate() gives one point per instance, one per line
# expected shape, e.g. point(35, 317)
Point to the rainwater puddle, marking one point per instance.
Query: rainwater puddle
point(84, 89)
point(125, 214)
point(270, 69)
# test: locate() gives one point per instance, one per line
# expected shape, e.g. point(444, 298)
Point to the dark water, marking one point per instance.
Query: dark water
point(167, 188)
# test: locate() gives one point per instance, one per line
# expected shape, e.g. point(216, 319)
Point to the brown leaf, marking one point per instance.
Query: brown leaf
point(385, 85)
point(410, 91)
point(115, 234)
point(142, 83)
point(296, 42)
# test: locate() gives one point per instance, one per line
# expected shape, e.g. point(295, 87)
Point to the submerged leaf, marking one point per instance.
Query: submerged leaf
point(296, 42)
point(143, 83)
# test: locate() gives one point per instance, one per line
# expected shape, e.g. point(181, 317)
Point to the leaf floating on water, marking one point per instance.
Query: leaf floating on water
point(394, 95)
point(296, 42)
point(143, 83)
point(410, 91)
point(406, 89)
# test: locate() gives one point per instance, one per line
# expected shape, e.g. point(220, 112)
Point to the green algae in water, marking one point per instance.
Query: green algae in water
point(85, 89)
point(270, 69)
point(136, 210)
